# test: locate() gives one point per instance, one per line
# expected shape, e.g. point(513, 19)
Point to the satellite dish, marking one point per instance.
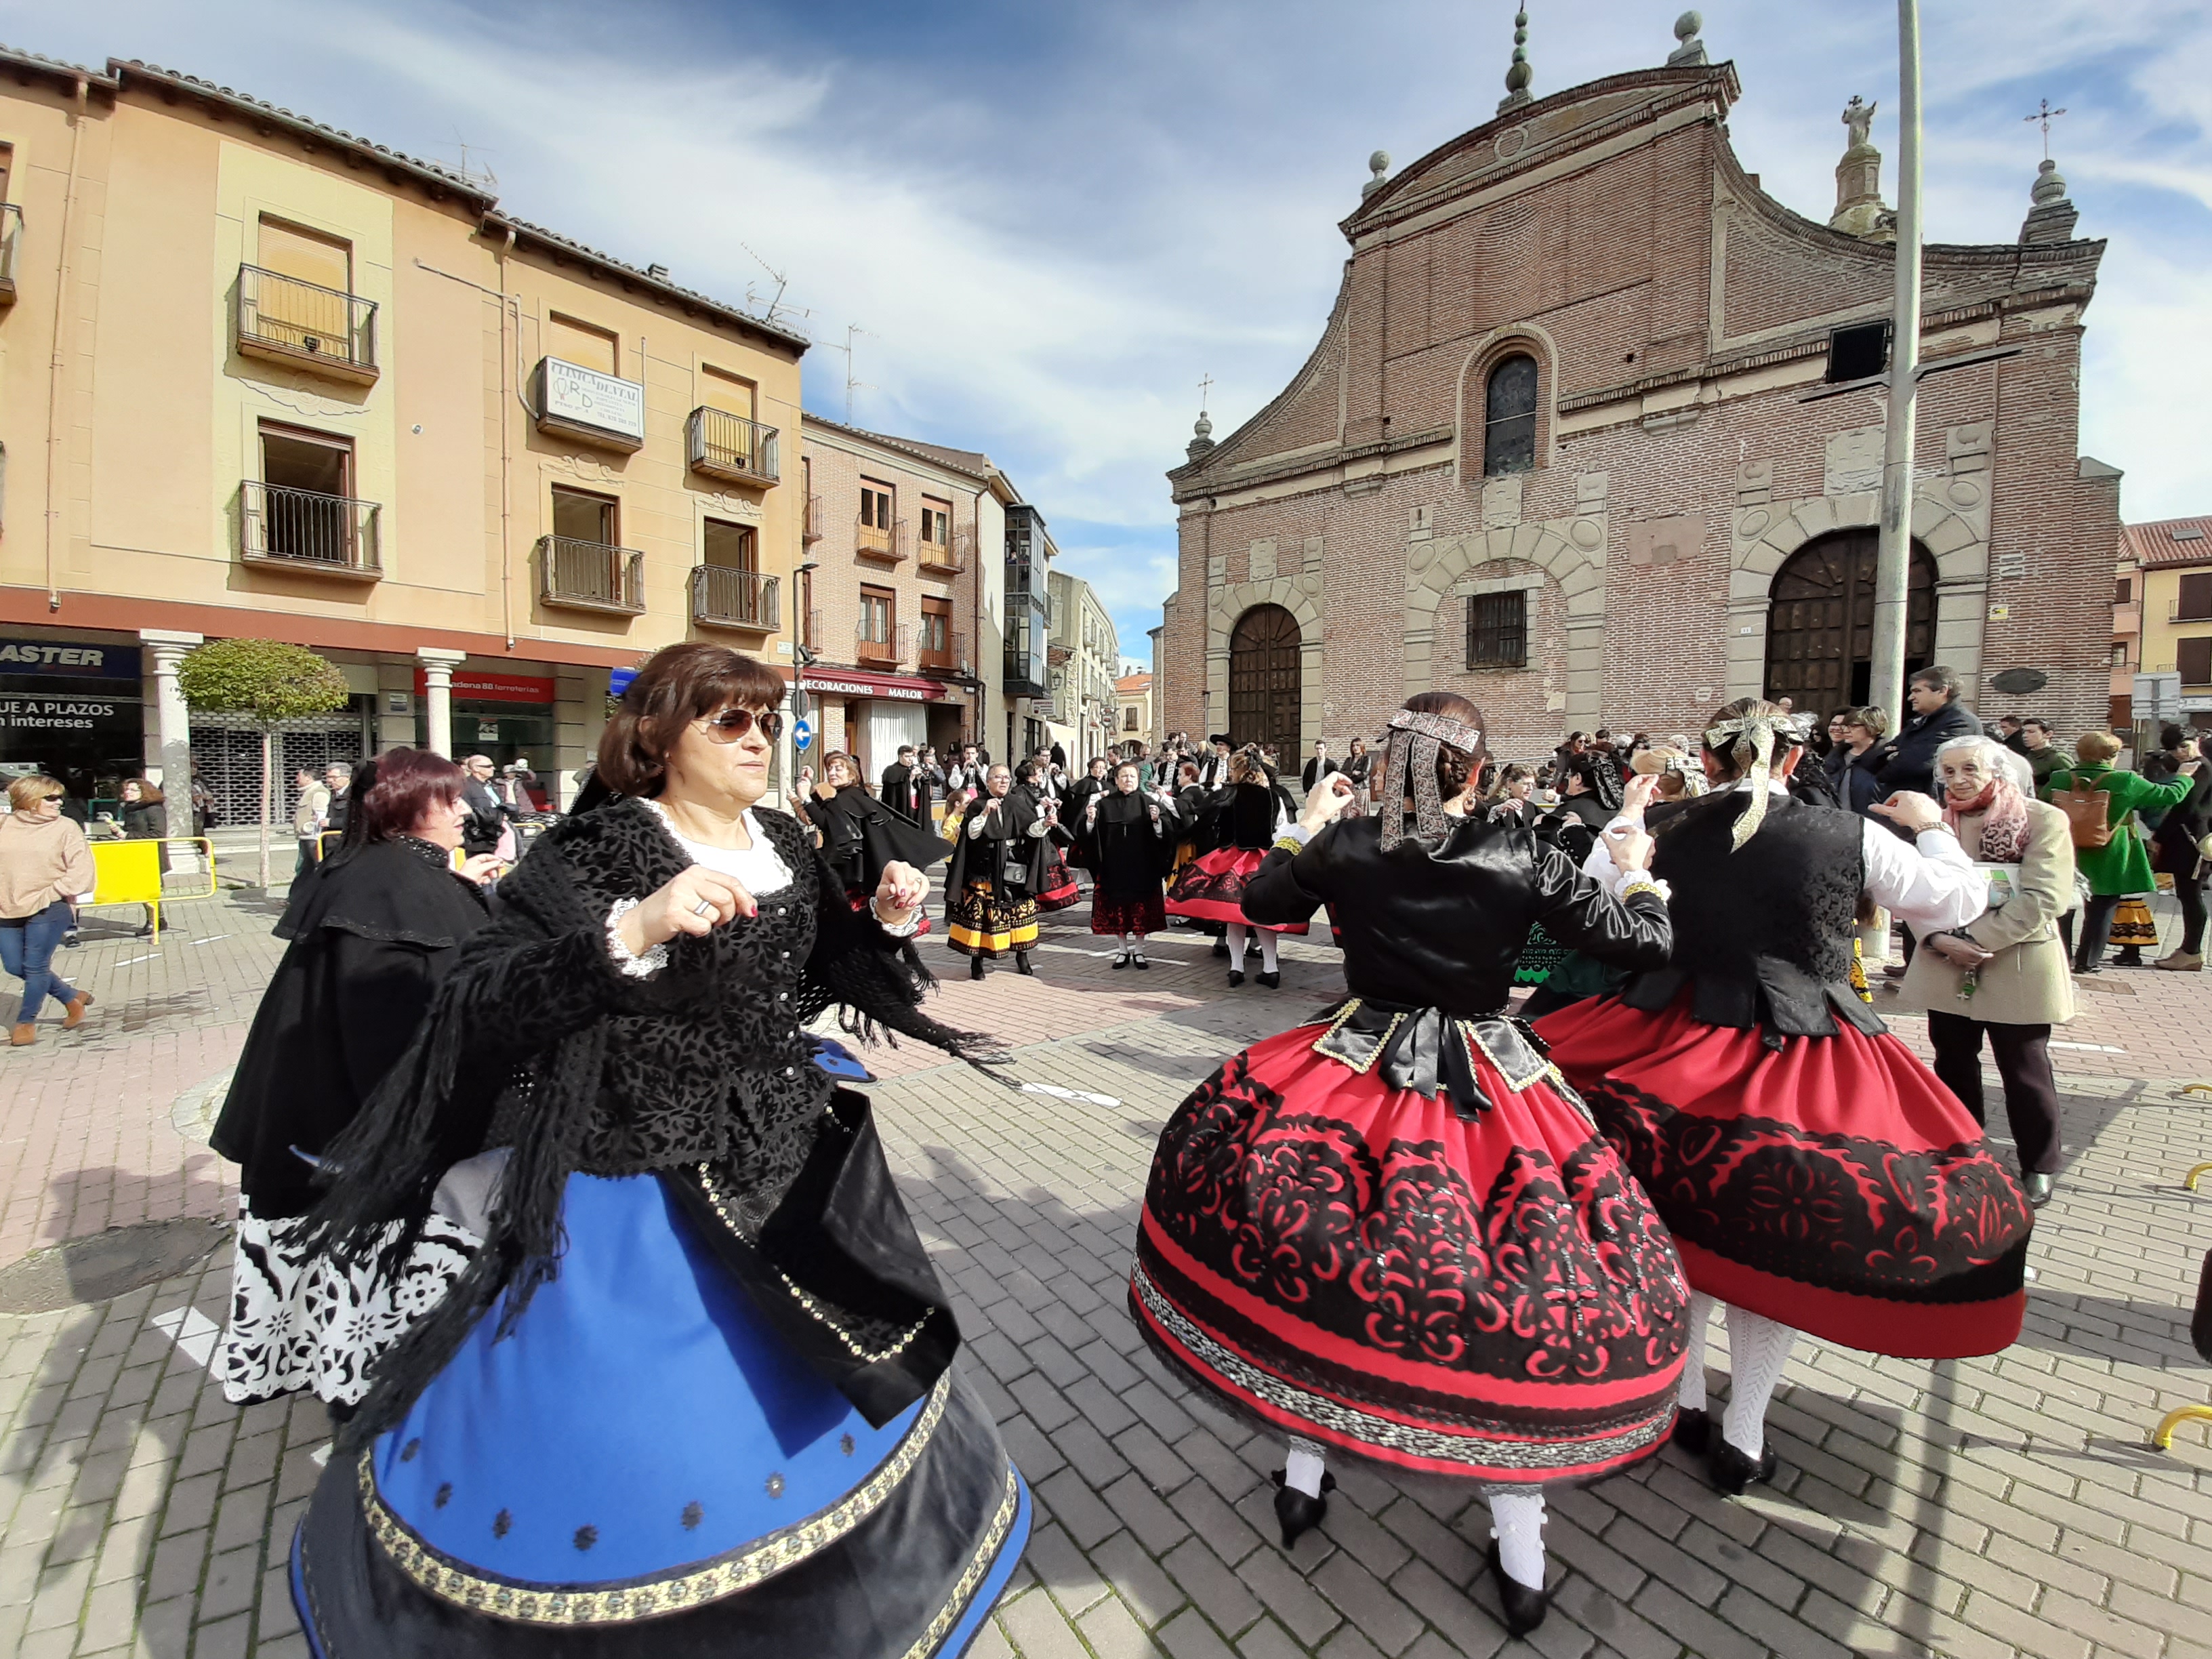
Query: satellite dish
point(2020, 681)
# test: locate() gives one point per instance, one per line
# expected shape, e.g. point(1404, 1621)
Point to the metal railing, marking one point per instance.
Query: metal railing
point(813, 532)
point(887, 541)
point(809, 629)
point(951, 657)
point(306, 530)
point(948, 557)
point(722, 597)
point(590, 575)
point(726, 445)
point(2189, 611)
point(883, 652)
point(304, 323)
point(11, 241)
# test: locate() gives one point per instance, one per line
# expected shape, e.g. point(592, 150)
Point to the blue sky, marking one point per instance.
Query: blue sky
point(1052, 220)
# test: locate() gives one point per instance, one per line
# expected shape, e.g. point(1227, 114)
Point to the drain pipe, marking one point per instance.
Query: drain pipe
point(60, 357)
point(506, 445)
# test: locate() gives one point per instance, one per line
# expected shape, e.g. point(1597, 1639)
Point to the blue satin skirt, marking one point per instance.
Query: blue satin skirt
point(642, 1465)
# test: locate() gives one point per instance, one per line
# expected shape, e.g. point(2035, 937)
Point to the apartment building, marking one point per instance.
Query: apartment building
point(1134, 723)
point(260, 377)
point(1084, 656)
point(2167, 602)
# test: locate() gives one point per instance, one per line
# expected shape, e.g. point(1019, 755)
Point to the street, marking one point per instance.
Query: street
point(1973, 1510)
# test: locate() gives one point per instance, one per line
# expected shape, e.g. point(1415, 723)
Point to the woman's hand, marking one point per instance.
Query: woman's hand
point(900, 893)
point(1910, 810)
point(1638, 795)
point(1957, 949)
point(1629, 847)
point(696, 902)
point(1330, 796)
point(481, 868)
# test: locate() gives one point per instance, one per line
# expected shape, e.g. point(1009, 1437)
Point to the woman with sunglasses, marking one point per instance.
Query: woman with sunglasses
point(45, 863)
point(694, 1396)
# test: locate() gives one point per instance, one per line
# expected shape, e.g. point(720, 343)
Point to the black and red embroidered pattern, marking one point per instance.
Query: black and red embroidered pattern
point(1560, 1273)
point(1839, 1212)
point(1219, 886)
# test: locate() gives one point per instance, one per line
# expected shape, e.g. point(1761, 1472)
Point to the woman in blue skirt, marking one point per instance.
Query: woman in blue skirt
point(694, 1396)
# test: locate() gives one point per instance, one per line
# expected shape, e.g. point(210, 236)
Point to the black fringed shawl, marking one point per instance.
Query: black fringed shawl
point(537, 1043)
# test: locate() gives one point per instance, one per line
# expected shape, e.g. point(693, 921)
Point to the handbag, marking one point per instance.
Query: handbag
point(2089, 813)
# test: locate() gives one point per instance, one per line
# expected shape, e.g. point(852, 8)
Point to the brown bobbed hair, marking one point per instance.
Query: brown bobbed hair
point(2095, 746)
point(1454, 766)
point(29, 790)
point(839, 758)
point(679, 684)
point(149, 793)
point(408, 783)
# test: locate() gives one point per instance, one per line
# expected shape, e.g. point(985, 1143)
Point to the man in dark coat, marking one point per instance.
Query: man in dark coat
point(905, 790)
point(1318, 767)
point(487, 817)
point(1937, 717)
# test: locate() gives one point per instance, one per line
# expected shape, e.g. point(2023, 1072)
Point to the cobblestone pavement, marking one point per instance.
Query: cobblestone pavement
point(1986, 1507)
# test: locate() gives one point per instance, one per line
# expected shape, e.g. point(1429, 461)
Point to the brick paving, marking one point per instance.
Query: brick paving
point(1995, 1507)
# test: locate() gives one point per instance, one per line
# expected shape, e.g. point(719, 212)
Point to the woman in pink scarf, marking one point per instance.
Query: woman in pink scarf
point(2004, 975)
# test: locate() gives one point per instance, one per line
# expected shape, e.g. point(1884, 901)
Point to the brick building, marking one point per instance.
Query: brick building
point(1594, 435)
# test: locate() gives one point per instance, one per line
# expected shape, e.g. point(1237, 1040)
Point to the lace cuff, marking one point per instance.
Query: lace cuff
point(632, 966)
point(905, 929)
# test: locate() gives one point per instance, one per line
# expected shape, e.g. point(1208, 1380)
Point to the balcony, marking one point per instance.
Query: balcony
point(579, 575)
point(809, 629)
point(812, 532)
point(950, 658)
point(725, 597)
point(876, 653)
point(886, 544)
point(726, 445)
point(280, 528)
point(2189, 610)
point(11, 241)
point(283, 319)
point(947, 558)
point(583, 405)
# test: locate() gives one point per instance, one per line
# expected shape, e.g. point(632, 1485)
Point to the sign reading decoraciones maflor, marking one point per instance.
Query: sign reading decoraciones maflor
point(586, 404)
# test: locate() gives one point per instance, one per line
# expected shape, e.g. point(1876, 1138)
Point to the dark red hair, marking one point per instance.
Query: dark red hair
point(408, 783)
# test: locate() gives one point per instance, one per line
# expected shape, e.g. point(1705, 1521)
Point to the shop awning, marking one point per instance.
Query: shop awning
point(859, 683)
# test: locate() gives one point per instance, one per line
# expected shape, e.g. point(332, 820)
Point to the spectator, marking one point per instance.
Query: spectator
point(1318, 767)
point(1047, 781)
point(1937, 717)
point(2177, 838)
point(146, 817)
point(2043, 756)
point(308, 817)
point(513, 790)
point(45, 863)
point(1836, 756)
point(2008, 733)
point(2120, 866)
point(487, 820)
point(204, 816)
point(1507, 799)
point(337, 778)
point(903, 790)
point(1858, 784)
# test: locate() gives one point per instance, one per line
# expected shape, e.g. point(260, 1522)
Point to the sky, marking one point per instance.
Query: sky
point(1052, 222)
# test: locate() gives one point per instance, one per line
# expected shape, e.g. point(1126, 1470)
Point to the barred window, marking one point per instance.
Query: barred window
point(1497, 630)
point(1509, 431)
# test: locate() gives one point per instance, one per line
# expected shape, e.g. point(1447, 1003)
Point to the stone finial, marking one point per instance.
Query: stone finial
point(2053, 217)
point(1689, 51)
point(1859, 210)
point(1202, 441)
point(1518, 73)
point(1379, 165)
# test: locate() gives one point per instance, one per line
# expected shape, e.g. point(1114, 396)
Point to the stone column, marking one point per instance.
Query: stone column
point(169, 748)
point(438, 695)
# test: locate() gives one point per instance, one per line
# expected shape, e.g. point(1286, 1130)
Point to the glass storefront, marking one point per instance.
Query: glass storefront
point(501, 714)
point(71, 707)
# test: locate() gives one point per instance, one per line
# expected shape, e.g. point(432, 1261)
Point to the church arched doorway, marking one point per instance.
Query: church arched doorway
point(1820, 622)
point(1264, 680)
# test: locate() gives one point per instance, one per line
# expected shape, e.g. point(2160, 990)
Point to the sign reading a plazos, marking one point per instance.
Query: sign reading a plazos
point(584, 397)
point(63, 715)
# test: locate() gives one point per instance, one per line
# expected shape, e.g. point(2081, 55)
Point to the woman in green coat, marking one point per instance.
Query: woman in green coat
point(2121, 866)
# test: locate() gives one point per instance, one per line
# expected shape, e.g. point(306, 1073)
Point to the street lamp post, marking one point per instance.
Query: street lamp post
point(1893, 549)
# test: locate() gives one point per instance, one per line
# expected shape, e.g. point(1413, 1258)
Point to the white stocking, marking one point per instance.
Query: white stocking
point(1302, 1470)
point(1516, 1521)
point(1757, 1349)
point(1236, 946)
point(1691, 1396)
point(1267, 951)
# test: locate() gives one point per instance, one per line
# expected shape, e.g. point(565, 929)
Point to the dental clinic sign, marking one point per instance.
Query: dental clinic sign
point(590, 404)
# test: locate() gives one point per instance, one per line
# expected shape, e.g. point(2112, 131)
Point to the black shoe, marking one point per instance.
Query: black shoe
point(72, 939)
point(1022, 964)
point(975, 970)
point(1138, 963)
point(2038, 1189)
point(1236, 977)
point(1298, 1512)
point(1693, 1430)
point(145, 930)
point(1121, 960)
point(1221, 947)
point(1734, 1472)
point(2129, 959)
point(1524, 1607)
point(1271, 979)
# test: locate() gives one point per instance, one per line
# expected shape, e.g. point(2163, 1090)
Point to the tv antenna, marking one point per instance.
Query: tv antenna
point(483, 176)
point(781, 282)
point(852, 331)
point(2044, 117)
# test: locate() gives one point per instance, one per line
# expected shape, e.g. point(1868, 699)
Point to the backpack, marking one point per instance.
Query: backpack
point(2088, 814)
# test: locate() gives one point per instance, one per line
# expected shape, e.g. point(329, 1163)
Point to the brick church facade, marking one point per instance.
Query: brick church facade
point(1594, 436)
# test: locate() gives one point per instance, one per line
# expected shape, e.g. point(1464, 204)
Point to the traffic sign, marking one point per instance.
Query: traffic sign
point(802, 734)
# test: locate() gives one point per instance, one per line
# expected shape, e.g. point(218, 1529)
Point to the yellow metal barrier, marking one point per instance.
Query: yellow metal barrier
point(138, 871)
point(2162, 1436)
point(2189, 1181)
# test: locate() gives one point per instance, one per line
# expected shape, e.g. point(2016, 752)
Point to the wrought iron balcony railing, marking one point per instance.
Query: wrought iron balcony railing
point(306, 530)
point(809, 629)
point(590, 575)
point(726, 445)
point(11, 242)
point(322, 329)
point(947, 654)
point(725, 597)
point(886, 541)
point(883, 654)
point(813, 532)
point(947, 558)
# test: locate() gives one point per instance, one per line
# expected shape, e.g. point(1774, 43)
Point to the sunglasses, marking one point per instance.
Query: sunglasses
point(733, 723)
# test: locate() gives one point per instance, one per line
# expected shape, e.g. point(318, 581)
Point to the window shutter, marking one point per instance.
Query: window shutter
point(2196, 597)
point(2193, 659)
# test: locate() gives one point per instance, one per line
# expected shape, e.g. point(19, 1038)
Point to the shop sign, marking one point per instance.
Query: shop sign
point(875, 689)
point(94, 662)
point(588, 398)
point(479, 686)
point(487, 732)
point(63, 714)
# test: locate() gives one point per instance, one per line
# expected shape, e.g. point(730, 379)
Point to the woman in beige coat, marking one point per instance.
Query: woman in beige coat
point(2003, 975)
point(43, 864)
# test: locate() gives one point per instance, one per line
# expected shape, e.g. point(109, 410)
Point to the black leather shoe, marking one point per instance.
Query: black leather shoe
point(1221, 947)
point(1298, 1512)
point(975, 968)
point(1524, 1608)
point(1734, 1472)
point(2038, 1189)
point(1271, 978)
point(1236, 976)
point(1121, 960)
point(1138, 963)
point(1022, 964)
point(1693, 1430)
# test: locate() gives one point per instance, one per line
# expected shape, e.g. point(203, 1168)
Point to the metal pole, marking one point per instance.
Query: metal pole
point(1893, 555)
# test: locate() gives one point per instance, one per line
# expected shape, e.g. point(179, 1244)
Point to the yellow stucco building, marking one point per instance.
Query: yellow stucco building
point(259, 377)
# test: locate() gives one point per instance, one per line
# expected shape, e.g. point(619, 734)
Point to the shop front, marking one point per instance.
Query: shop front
point(877, 713)
point(72, 707)
point(500, 714)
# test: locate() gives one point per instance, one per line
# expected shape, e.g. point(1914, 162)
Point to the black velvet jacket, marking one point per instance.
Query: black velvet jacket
point(1442, 924)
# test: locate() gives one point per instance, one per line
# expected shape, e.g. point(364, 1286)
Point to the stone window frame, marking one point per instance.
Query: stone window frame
point(1513, 340)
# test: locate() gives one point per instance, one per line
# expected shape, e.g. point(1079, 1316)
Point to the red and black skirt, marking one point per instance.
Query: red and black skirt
point(1212, 888)
point(1058, 890)
point(1361, 1265)
point(1145, 914)
point(1831, 1183)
